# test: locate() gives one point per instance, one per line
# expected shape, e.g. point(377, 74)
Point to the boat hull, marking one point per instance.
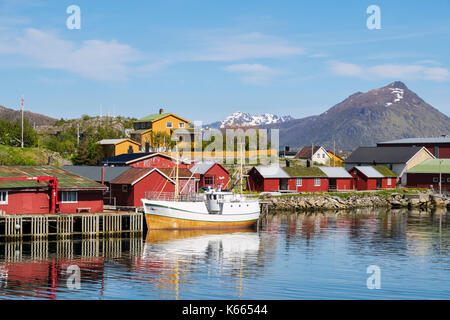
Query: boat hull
point(194, 215)
point(161, 222)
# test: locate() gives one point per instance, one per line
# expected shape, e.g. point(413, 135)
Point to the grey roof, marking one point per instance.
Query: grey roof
point(376, 155)
point(272, 172)
point(110, 141)
point(95, 172)
point(444, 139)
point(202, 167)
point(370, 172)
point(335, 172)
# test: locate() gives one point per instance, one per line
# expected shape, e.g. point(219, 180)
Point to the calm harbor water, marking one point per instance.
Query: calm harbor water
point(318, 256)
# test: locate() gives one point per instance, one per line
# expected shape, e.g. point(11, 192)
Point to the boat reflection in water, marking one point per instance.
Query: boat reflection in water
point(179, 255)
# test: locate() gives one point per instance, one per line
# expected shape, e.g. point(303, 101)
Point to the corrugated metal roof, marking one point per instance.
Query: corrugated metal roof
point(445, 139)
point(170, 172)
point(66, 179)
point(335, 172)
point(202, 167)
point(152, 117)
point(273, 171)
point(370, 172)
point(374, 155)
point(127, 158)
point(95, 172)
point(111, 141)
point(132, 175)
point(432, 166)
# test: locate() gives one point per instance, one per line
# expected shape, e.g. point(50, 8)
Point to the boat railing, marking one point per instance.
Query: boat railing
point(170, 196)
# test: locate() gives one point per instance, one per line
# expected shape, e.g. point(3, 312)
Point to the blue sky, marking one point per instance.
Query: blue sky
point(206, 59)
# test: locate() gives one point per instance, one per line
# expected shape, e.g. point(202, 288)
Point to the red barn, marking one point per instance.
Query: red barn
point(267, 179)
point(145, 160)
point(294, 179)
point(427, 174)
point(338, 178)
point(136, 183)
point(210, 174)
point(373, 177)
point(307, 179)
point(75, 193)
point(438, 146)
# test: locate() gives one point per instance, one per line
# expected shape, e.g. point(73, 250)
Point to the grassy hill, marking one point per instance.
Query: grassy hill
point(30, 156)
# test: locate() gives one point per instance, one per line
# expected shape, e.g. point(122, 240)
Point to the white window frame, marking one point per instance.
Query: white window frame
point(317, 182)
point(169, 126)
point(5, 197)
point(299, 182)
point(448, 180)
point(435, 180)
point(124, 188)
point(389, 181)
point(69, 192)
point(182, 125)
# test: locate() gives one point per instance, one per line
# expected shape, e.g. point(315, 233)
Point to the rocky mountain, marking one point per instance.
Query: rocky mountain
point(33, 118)
point(245, 119)
point(363, 119)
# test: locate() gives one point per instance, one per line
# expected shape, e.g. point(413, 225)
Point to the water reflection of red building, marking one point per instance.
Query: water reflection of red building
point(31, 276)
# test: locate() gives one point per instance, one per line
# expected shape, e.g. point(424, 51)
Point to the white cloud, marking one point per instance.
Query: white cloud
point(94, 59)
point(256, 74)
point(390, 71)
point(246, 46)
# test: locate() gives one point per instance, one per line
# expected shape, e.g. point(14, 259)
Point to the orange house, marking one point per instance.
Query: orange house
point(115, 147)
point(145, 128)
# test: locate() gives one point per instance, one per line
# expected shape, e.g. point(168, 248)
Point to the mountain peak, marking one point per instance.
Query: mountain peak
point(398, 85)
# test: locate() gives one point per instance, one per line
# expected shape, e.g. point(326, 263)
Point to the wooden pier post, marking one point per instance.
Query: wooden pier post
point(64, 226)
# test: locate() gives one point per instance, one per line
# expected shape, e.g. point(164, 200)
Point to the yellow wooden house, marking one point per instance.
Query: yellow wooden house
point(145, 128)
point(335, 161)
point(115, 147)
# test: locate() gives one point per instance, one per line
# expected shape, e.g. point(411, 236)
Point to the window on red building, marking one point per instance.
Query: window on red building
point(209, 180)
point(69, 196)
point(3, 197)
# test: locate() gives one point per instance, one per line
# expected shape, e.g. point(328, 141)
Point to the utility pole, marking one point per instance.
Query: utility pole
point(334, 151)
point(78, 134)
point(312, 155)
point(21, 107)
point(440, 177)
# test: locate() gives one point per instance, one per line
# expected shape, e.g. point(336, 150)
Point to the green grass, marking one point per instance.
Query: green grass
point(26, 156)
point(361, 194)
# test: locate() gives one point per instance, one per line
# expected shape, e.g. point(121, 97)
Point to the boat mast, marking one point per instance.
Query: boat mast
point(176, 174)
point(241, 169)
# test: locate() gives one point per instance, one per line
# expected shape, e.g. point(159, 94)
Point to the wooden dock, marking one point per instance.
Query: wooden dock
point(63, 226)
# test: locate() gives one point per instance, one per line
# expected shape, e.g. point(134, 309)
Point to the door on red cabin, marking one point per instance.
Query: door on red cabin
point(332, 184)
point(283, 184)
point(378, 183)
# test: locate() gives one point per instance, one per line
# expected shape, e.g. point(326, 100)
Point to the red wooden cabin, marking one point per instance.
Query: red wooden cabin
point(373, 177)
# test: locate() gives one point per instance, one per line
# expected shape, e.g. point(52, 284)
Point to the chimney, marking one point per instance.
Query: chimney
point(103, 175)
point(161, 111)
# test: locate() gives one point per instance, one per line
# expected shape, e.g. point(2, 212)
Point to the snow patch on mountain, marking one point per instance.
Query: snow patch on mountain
point(398, 93)
point(245, 119)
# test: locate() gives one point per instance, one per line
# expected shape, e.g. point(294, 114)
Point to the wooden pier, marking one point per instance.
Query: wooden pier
point(64, 226)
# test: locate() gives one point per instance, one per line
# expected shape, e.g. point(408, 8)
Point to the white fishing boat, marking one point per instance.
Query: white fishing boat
point(213, 209)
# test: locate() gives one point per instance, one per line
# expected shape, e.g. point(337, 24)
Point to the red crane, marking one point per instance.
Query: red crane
point(51, 181)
